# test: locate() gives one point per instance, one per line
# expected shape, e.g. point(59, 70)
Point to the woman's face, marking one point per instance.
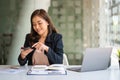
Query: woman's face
point(40, 25)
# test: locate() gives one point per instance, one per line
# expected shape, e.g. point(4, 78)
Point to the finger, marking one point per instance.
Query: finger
point(34, 44)
point(40, 43)
point(21, 50)
point(28, 51)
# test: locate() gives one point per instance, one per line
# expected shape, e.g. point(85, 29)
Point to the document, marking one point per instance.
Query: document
point(55, 69)
point(11, 70)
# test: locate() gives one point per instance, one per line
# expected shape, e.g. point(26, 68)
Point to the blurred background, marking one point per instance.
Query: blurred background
point(83, 24)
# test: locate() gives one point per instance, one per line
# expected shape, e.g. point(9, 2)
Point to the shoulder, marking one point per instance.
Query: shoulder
point(27, 36)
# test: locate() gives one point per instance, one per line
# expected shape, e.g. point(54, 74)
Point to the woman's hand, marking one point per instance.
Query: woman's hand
point(40, 45)
point(25, 51)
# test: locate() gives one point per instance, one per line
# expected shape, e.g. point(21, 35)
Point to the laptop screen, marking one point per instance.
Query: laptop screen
point(96, 59)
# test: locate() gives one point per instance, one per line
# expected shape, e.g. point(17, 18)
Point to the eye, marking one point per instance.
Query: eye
point(40, 23)
point(34, 24)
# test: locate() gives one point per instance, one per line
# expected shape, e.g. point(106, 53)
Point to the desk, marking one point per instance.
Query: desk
point(109, 74)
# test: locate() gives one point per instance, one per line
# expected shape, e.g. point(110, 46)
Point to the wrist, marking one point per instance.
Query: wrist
point(23, 55)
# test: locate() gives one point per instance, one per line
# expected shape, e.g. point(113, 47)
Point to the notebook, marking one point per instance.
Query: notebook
point(94, 59)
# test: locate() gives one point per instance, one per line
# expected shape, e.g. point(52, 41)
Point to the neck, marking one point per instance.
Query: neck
point(43, 37)
point(44, 34)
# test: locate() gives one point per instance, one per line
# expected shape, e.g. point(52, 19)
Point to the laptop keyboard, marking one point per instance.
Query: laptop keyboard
point(74, 68)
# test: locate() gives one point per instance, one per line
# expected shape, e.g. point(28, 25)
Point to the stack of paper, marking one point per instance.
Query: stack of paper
point(55, 69)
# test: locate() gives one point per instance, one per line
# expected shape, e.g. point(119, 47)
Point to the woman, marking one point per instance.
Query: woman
point(44, 44)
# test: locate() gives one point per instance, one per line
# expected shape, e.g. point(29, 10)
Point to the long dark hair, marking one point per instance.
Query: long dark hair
point(43, 14)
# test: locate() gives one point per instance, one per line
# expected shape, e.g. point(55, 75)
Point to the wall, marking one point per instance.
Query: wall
point(67, 16)
point(23, 26)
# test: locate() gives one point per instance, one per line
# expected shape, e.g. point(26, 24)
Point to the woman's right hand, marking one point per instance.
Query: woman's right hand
point(25, 51)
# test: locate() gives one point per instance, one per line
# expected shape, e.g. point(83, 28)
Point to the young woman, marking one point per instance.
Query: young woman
point(43, 45)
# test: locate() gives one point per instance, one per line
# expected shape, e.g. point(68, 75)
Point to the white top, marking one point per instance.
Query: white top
point(21, 74)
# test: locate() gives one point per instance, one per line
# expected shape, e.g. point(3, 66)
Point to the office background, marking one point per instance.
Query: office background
point(83, 23)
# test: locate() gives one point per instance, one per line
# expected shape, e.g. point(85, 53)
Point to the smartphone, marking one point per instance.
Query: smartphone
point(25, 48)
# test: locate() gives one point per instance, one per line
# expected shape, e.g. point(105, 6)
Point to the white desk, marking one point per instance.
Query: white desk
point(109, 74)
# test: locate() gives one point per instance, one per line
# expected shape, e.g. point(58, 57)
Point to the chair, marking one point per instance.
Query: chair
point(65, 59)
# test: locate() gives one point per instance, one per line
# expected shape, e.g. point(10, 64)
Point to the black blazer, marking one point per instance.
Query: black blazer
point(54, 54)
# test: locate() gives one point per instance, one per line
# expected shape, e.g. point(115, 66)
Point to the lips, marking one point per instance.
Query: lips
point(38, 30)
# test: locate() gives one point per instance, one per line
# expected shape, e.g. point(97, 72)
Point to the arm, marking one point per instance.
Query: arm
point(22, 58)
point(55, 55)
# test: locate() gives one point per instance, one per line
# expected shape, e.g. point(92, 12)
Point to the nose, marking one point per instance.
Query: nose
point(37, 26)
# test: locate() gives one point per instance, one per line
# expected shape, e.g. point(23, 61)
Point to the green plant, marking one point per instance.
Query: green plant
point(118, 53)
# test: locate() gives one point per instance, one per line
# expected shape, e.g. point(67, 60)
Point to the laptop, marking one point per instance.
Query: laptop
point(94, 59)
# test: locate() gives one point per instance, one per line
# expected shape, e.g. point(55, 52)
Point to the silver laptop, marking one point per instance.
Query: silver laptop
point(94, 59)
